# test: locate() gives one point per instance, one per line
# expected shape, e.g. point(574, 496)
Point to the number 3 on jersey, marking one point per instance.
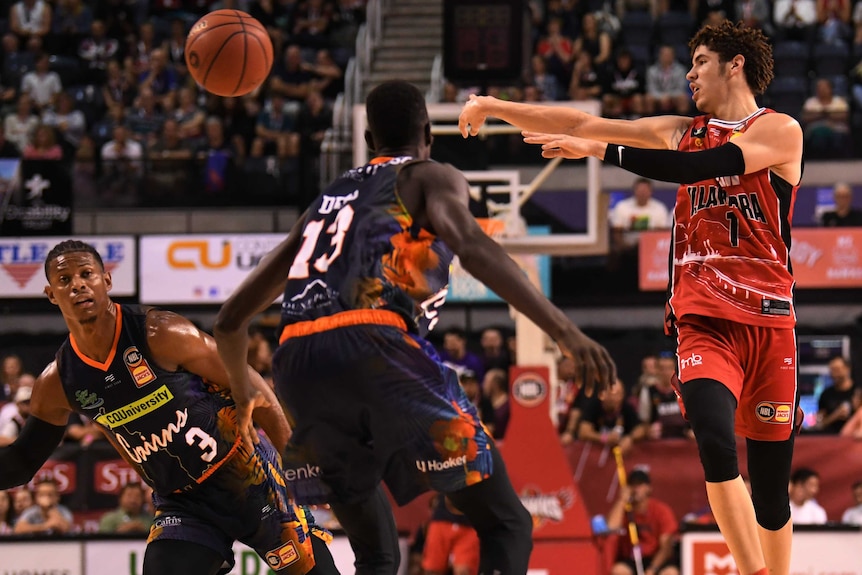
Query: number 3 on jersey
point(310, 236)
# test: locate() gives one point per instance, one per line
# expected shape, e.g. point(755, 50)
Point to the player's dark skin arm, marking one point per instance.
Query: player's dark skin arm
point(176, 343)
point(437, 196)
point(256, 293)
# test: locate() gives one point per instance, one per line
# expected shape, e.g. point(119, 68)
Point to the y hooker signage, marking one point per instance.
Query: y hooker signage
point(199, 268)
point(821, 258)
point(22, 262)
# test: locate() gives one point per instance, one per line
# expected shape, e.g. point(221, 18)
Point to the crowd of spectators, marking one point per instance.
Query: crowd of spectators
point(104, 84)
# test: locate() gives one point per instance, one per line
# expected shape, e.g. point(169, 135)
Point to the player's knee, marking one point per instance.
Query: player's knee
point(772, 508)
point(621, 569)
point(769, 470)
point(711, 408)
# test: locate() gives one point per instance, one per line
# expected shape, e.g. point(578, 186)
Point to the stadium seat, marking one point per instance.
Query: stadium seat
point(830, 60)
point(636, 29)
point(641, 56)
point(675, 28)
point(791, 59)
point(67, 68)
point(788, 95)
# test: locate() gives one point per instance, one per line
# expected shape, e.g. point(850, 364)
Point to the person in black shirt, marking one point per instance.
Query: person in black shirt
point(7, 148)
point(838, 402)
point(609, 420)
point(844, 215)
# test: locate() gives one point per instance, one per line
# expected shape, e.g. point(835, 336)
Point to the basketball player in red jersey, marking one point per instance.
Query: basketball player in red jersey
point(731, 292)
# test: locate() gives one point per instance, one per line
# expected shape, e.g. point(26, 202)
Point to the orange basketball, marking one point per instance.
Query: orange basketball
point(229, 53)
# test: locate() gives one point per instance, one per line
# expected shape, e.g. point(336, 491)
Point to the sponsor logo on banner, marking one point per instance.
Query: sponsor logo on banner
point(22, 261)
point(138, 366)
point(109, 477)
point(136, 409)
point(529, 389)
point(544, 506)
point(773, 412)
point(282, 557)
point(712, 558)
point(62, 472)
point(199, 268)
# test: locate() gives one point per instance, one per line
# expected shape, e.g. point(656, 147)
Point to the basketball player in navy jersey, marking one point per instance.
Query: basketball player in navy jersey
point(155, 385)
point(363, 274)
point(730, 299)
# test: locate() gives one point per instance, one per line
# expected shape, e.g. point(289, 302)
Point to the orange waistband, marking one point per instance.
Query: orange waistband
point(342, 319)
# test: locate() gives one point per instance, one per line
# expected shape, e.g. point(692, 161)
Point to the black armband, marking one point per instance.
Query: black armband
point(20, 461)
point(678, 167)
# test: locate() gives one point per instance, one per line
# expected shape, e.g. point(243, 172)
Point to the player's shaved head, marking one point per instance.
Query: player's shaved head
point(397, 115)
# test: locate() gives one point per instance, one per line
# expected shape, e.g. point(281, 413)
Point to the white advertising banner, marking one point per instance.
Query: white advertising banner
point(56, 558)
point(22, 263)
point(199, 268)
point(813, 553)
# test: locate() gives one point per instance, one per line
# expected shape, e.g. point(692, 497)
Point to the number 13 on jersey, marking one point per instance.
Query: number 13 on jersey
point(336, 231)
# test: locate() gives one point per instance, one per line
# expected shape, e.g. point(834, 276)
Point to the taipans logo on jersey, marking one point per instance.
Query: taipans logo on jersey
point(282, 557)
point(136, 409)
point(138, 367)
point(88, 400)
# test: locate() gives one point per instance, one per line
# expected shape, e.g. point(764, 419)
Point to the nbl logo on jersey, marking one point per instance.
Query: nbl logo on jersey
point(138, 367)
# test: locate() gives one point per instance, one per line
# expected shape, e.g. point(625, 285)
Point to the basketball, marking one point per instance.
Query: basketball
point(229, 53)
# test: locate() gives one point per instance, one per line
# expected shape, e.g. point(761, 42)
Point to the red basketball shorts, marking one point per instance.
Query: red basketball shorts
point(447, 542)
point(757, 364)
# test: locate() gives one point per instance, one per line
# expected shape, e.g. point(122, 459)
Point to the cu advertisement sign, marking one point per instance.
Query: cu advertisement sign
point(199, 268)
point(22, 262)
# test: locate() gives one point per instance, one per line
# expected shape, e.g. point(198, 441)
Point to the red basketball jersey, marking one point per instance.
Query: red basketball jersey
point(731, 239)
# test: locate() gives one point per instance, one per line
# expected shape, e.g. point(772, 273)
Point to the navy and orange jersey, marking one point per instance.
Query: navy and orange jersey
point(730, 250)
point(174, 428)
point(361, 249)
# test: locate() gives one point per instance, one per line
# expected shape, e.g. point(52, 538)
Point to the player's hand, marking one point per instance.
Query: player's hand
point(593, 359)
point(561, 146)
point(247, 398)
point(472, 116)
point(567, 438)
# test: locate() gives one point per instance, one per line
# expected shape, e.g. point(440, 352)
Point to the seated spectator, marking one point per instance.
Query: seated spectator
point(596, 42)
point(756, 14)
point(586, 83)
point(175, 46)
point(218, 156)
point(22, 500)
point(666, 416)
point(145, 121)
point(291, 79)
point(557, 51)
point(623, 89)
point(82, 430)
point(610, 421)
point(666, 86)
point(547, 84)
point(142, 45)
point(844, 215)
point(131, 516)
point(274, 133)
point(714, 11)
point(840, 401)
point(10, 411)
point(496, 388)
point(44, 145)
point(455, 351)
point(450, 541)
point(47, 515)
point(640, 212)
point(160, 78)
point(315, 117)
point(13, 427)
point(96, 51)
point(103, 130)
point(833, 19)
point(72, 19)
point(42, 84)
point(825, 122)
point(657, 528)
point(640, 395)
point(68, 121)
point(804, 487)
point(494, 353)
point(190, 117)
point(853, 515)
point(7, 150)
point(121, 165)
point(311, 20)
point(12, 368)
point(276, 18)
point(6, 512)
point(795, 20)
point(21, 125)
point(328, 76)
point(30, 20)
point(473, 390)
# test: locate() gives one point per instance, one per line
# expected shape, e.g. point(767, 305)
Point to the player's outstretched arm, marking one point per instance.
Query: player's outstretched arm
point(256, 293)
point(446, 196)
point(176, 343)
point(41, 434)
point(658, 132)
point(752, 151)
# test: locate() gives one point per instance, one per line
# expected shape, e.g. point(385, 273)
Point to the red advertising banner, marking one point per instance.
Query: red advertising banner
point(821, 258)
